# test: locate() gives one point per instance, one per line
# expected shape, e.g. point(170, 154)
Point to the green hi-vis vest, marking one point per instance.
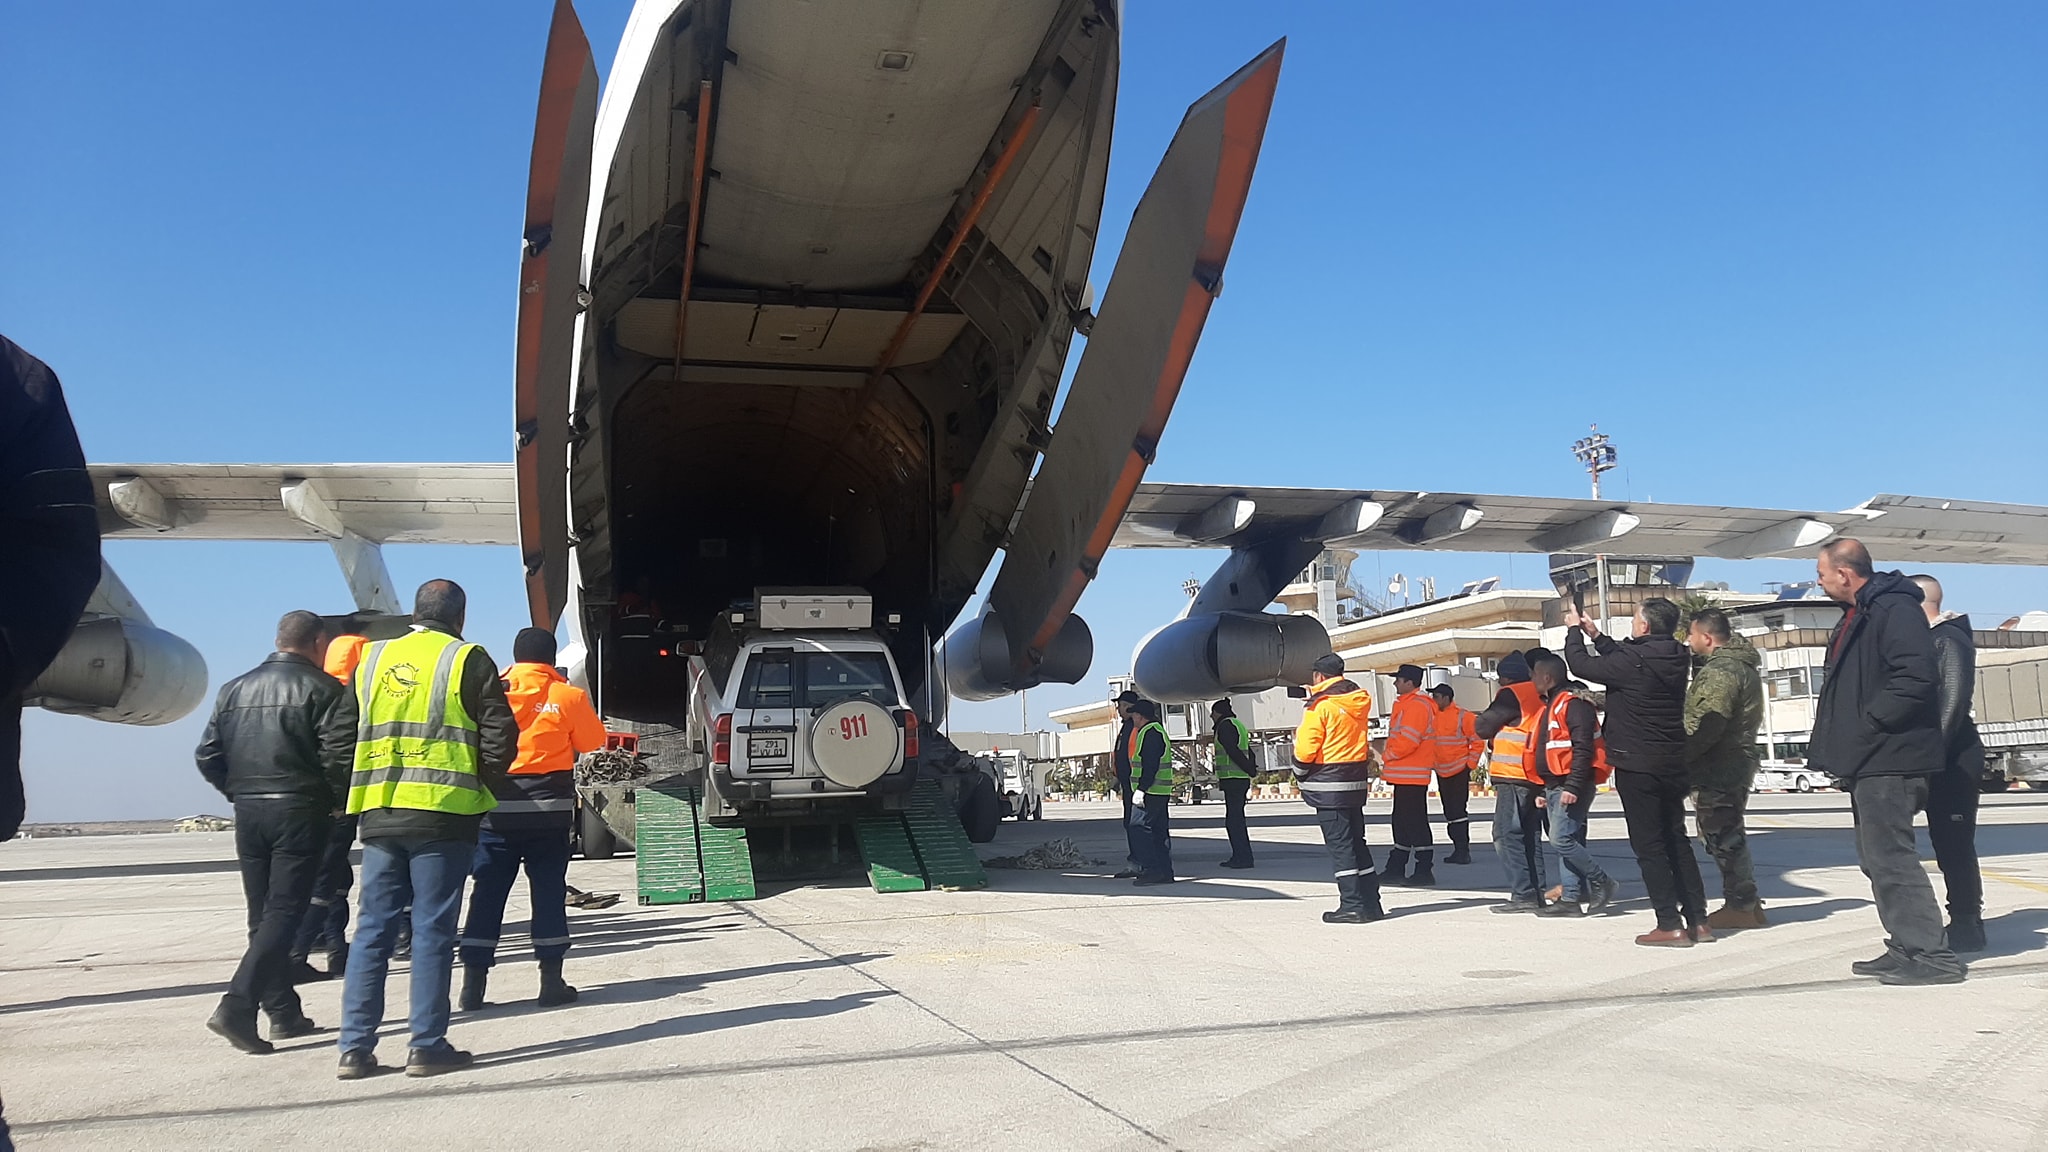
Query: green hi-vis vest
point(1231, 733)
point(1162, 781)
point(416, 746)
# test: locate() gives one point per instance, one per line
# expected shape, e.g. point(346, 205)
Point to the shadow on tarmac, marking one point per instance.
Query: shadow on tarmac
point(2016, 933)
point(682, 983)
point(605, 933)
point(129, 996)
point(691, 1025)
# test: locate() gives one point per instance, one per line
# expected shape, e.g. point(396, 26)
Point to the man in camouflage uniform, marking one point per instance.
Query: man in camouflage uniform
point(1724, 707)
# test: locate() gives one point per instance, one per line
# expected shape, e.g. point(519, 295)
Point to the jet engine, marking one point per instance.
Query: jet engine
point(976, 658)
point(1205, 657)
point(122, 671)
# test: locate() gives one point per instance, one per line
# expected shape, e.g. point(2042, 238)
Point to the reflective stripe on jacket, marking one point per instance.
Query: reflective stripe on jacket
point(1162, 772)
point(1410, 752)
point(1231, 733)
point(556, 723)
point(1333, 747)
point(1512, 746)
point(1457, 741)
point(416, 745)
point(1557, 745)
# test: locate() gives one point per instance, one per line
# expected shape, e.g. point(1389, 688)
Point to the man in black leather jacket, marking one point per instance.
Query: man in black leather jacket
point(280, 745)
point(1952, 792)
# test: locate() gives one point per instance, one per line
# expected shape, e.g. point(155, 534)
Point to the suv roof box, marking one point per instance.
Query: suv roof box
point(848, 608)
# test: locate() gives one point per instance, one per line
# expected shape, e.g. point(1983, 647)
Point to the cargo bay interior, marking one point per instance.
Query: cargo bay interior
point(848, 381)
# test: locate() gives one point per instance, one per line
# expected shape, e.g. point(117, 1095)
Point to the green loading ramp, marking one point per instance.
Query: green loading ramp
point(682, 858)
point(921, 848)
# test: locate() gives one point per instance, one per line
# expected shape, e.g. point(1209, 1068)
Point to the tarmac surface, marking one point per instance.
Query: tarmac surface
point(1068, 1011)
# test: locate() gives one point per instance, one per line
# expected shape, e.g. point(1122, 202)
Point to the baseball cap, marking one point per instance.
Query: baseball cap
point(1330, 665)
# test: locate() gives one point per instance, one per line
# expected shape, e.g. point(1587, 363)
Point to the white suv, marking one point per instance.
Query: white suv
point(806, 716)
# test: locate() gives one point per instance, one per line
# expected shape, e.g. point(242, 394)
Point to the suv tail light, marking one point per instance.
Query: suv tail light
point(909, 734)
point(721, 740)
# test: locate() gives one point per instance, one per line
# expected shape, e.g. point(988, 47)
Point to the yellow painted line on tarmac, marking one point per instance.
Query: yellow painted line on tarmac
point(2015, 880)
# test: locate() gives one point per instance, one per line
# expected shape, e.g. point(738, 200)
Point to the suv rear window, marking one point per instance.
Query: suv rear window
point(833, 676)
point(772, 679)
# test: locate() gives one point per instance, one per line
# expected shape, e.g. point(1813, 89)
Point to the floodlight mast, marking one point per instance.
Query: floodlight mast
point(1598, 455)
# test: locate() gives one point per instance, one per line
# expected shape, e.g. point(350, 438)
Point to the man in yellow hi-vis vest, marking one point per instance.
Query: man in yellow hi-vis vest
point(1151, 793)
point(434, 732)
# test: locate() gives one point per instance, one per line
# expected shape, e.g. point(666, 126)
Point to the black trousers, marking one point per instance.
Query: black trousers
point(1952, 829)
point(1151, 837)
point(1123, 788)
point(326, 922)
point(1884, 807)
point(1411, 824)
point(279, 844)
point(1654, 806)
point(1358, 884)
point(1236, 789)
point(1455, 791)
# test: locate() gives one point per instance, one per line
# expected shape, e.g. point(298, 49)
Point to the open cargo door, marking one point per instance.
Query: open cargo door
point(1167, 275)
point(557, 192)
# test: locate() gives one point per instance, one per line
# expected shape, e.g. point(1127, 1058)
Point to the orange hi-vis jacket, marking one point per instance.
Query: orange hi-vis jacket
point(343, 654)
point(1411, 752)
point(1457, 740)
point(1557, 745)
point(1515, 747)
point(556, 721)
point(556, 724)
point(1333, 747)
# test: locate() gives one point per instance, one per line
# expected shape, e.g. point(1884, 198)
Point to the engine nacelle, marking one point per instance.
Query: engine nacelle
point(976, 658)
point(124, 672)
point(1209, 656)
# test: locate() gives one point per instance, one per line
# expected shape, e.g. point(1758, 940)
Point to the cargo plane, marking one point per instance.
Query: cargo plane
point(796, 293)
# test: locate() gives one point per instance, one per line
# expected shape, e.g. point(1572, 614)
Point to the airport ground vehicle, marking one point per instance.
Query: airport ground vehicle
point(2011, 708)
point(1789, 776)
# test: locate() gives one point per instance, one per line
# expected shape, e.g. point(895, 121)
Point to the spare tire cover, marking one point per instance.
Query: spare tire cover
point(854, 742)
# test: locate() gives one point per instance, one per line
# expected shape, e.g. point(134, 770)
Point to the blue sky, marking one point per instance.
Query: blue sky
point(1791, 255)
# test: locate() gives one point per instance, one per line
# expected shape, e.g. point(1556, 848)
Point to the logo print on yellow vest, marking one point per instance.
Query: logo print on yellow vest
point(399, 680)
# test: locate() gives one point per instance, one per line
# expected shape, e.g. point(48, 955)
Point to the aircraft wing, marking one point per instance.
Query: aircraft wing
point(1897, 528)
point(477, 504)
point(380, 503)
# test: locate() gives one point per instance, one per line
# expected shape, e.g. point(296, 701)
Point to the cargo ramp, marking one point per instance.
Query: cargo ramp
point(683, 858)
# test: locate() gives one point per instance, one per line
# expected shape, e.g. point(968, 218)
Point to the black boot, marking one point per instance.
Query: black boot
point(1460, 854)
point(554, 991)
point(238, 1030)
point(1395, 870)
point(1425, 870)
point(1966, 932)
point(474, 979)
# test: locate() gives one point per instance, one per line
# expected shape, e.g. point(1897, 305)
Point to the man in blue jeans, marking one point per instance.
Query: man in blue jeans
point(1573, 760)
point(434, 734)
